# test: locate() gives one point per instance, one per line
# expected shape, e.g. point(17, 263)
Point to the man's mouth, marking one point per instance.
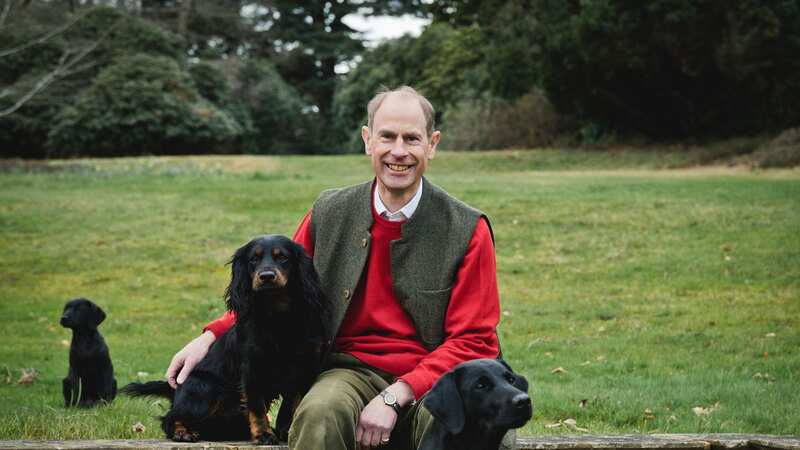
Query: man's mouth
point(398, 167)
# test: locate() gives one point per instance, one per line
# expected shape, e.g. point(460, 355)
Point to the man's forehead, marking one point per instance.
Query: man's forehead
point(400, 106)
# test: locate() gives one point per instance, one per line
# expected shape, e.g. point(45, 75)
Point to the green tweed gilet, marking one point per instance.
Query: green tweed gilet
point(424, 261)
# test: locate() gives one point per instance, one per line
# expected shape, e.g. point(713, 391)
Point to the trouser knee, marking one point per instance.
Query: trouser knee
point(320, 424)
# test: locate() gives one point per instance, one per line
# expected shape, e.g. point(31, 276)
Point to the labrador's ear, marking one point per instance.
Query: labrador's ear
point(520, 382)
point(97, 315)
point(445, 404)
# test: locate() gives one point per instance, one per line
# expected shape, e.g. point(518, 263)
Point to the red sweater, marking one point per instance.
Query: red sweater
point(376, 329)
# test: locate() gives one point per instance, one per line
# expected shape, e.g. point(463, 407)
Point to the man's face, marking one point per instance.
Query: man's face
point(399, 145)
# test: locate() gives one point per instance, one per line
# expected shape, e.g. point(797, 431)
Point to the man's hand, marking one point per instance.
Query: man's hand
point(377, 420)
point(188, 357)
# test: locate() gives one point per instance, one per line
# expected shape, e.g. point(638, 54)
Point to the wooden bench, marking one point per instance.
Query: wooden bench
point(549, 442)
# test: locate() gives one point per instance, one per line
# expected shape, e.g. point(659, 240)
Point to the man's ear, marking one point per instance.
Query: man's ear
point(365, 138)
point(445, 404)
point(433, 142)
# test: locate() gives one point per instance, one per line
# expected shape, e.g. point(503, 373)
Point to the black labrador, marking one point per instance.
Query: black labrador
point(91, 376)
point(274, 349)
point(474, 405)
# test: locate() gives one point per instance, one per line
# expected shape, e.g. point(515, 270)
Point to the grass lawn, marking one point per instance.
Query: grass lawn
point(630, 294)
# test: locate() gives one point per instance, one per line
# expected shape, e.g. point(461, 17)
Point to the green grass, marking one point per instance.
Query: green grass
point(652, 289)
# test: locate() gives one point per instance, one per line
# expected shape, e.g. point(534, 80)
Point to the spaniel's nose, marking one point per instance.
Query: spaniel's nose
point(267, 276)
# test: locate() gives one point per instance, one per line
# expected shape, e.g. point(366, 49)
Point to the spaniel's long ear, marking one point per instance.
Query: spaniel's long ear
point(305, 286)
point(97, 316)
point(445, 404)
point(239, 289)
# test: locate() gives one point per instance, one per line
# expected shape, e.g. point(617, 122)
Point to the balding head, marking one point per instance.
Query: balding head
point(380, 97)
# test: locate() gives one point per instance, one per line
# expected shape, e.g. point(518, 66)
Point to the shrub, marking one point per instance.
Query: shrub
point(491, 123)
point(783, 151)
point(139, 105)
point(282, 122)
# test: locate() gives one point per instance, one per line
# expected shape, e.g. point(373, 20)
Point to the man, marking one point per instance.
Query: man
point(411, 274)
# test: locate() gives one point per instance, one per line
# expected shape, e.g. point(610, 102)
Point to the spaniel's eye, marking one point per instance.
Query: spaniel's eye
point(254, 259)
point(511, 378)
point(282, 257)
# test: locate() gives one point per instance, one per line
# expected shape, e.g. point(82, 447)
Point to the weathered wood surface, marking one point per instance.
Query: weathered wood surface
point(550, 442)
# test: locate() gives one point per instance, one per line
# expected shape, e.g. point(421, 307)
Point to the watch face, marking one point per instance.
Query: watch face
point(389, 398)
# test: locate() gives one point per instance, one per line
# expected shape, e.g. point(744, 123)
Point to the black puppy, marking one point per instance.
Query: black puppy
point(474, 405)
point(91, 375)
point(275, 349)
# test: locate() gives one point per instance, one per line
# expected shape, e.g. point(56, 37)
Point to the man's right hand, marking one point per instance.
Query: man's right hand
point(188, 357)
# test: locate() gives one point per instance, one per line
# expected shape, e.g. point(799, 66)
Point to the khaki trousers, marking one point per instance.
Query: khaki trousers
point(327, 416)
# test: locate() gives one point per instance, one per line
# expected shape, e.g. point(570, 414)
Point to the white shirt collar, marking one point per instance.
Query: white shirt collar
point(403, 213)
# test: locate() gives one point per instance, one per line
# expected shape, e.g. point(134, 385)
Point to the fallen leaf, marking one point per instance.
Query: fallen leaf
point(600, 358)
point(548, 354)
point(770, 335)
point(553, 425)
point(142, 374)
point(28, 376)
point(64, 343)
point(701, 411)
point(138, 428)
point(763, 376)
point(586, 363)
point(583, 403)
point(648, 414)
point(573, 425)
point(559, 370)
point(506, 313)
point(8, 377)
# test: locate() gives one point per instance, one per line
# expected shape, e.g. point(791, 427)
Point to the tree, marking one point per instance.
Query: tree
point(672, 68)
point(49, 55)
point(141, 104)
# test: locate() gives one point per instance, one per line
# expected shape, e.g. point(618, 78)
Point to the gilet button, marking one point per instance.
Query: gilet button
point(347, 293)
point(364, 242)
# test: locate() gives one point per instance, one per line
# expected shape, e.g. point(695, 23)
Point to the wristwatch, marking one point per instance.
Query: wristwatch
point(389, 399)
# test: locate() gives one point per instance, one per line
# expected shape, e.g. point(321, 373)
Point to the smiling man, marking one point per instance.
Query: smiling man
point(410, 274)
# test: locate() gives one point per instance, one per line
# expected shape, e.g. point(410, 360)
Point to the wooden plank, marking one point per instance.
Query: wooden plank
point(549, 442)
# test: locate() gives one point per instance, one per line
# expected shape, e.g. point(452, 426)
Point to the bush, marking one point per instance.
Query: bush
point(783, 151)
point(141, 105)
point(282, 122)
point(119, 35)
point(492, 123)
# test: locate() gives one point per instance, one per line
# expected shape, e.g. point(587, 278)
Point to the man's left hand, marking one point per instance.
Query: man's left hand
point(377, 419)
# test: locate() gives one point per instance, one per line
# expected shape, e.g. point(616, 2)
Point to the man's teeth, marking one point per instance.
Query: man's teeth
point(398, 168)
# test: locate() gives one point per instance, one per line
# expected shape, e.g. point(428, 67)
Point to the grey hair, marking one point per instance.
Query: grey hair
point(383, 92)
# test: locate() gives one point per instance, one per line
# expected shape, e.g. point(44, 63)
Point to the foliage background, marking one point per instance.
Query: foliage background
point(293, 77)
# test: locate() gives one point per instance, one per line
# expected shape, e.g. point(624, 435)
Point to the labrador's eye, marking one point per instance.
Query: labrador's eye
point(282, 258)
point(482, 383)
point(511, 378)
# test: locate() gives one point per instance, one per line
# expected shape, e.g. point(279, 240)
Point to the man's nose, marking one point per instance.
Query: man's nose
point(398, 147)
